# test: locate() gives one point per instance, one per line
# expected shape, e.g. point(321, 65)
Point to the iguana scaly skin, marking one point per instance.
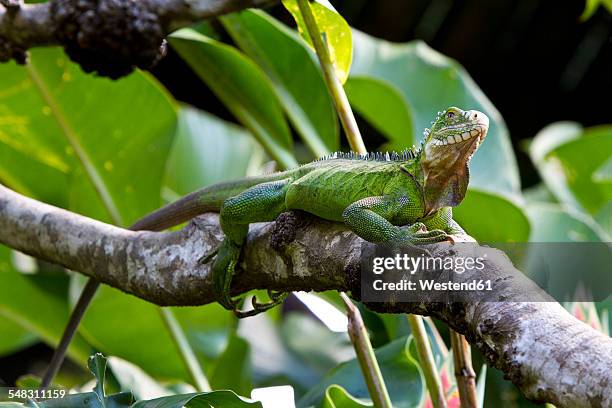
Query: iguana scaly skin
point(375, 195)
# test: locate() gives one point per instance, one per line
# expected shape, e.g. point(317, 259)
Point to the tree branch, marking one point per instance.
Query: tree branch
point(550, 355)
point(109, 37)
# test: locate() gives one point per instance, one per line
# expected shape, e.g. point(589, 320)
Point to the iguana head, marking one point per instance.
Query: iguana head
point(449, 145)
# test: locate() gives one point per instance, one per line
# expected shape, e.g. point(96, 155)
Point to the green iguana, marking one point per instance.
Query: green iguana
point(375, 195)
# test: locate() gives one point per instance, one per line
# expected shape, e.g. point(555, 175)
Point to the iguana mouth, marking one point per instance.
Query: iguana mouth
point(479, 132)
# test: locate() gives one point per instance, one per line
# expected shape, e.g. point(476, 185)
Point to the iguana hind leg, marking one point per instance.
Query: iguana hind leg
point(263, 202)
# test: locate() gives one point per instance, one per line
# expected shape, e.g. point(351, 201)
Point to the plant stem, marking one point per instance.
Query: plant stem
point(464, 372)
point(428, 363)
point(365, 355)
point(191, 362)
point(345, 113)
point(73, 323)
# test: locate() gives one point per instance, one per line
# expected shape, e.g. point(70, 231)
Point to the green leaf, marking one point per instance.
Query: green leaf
point(242, 87)
point(303, 336)
point(133, 378)
point(233, 368)
point(553, 223)
point(431, 82)
point(491, 218)
point(400, 371)
point(88, 400)
point(334, 29)
point(108, 140)
point(272, 361)
point(294, 73)
point(591, 7)
point(139, 336)
point(89, 132)
point(221, 399)
point(575, 164)
point(208, 329)
point(604, 218)
point(14, 337)
point(208, 150)
point(97, 366)
point(46, 316)
point(338, 397)
point(381, 104)
point(95, 399)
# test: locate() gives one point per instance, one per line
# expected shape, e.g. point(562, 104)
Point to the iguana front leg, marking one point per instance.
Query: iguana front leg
point(263, 202)
point(370, 219)
point(443, 220)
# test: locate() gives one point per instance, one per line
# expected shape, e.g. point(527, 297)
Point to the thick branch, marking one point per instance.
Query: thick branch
point(546, 352)
point(110, 37)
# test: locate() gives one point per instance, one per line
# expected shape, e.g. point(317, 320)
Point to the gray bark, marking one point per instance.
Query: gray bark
point(550, 355)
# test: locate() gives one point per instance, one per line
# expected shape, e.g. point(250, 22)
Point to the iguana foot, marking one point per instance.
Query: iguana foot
point(223, 271)
point(417, 234)
point(276, 299)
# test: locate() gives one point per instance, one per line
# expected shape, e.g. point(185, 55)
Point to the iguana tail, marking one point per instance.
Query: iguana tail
point(207, 199)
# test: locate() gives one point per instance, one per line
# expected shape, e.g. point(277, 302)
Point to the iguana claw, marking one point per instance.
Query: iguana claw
point(223, 270)
point(277, 299)
point(417, 234)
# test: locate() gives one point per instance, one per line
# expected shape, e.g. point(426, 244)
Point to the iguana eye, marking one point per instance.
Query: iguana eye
point(450, 115)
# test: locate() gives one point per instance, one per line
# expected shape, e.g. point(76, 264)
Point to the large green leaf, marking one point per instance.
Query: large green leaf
point(130, 377)
point(36, 303)
point(431, 82)
point(294, 73)
point(113, 138)
point(91, 132)
point(303, 336)
point(14, 336)
point(338, 397)
point(232, 371)
point(132, 329)
point(208, 150)
point(242, 86)
point(333, 28)
point(401, 373)
point(575, 164)
point(554, 223)
point(381, 104)
point(490, 217)
point(220, 399)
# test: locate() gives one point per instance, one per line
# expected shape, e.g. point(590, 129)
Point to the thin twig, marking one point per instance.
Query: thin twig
point(428, 363)
point(349, 124)
point(365, 355)
point(464, 372)
point(69, 331)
